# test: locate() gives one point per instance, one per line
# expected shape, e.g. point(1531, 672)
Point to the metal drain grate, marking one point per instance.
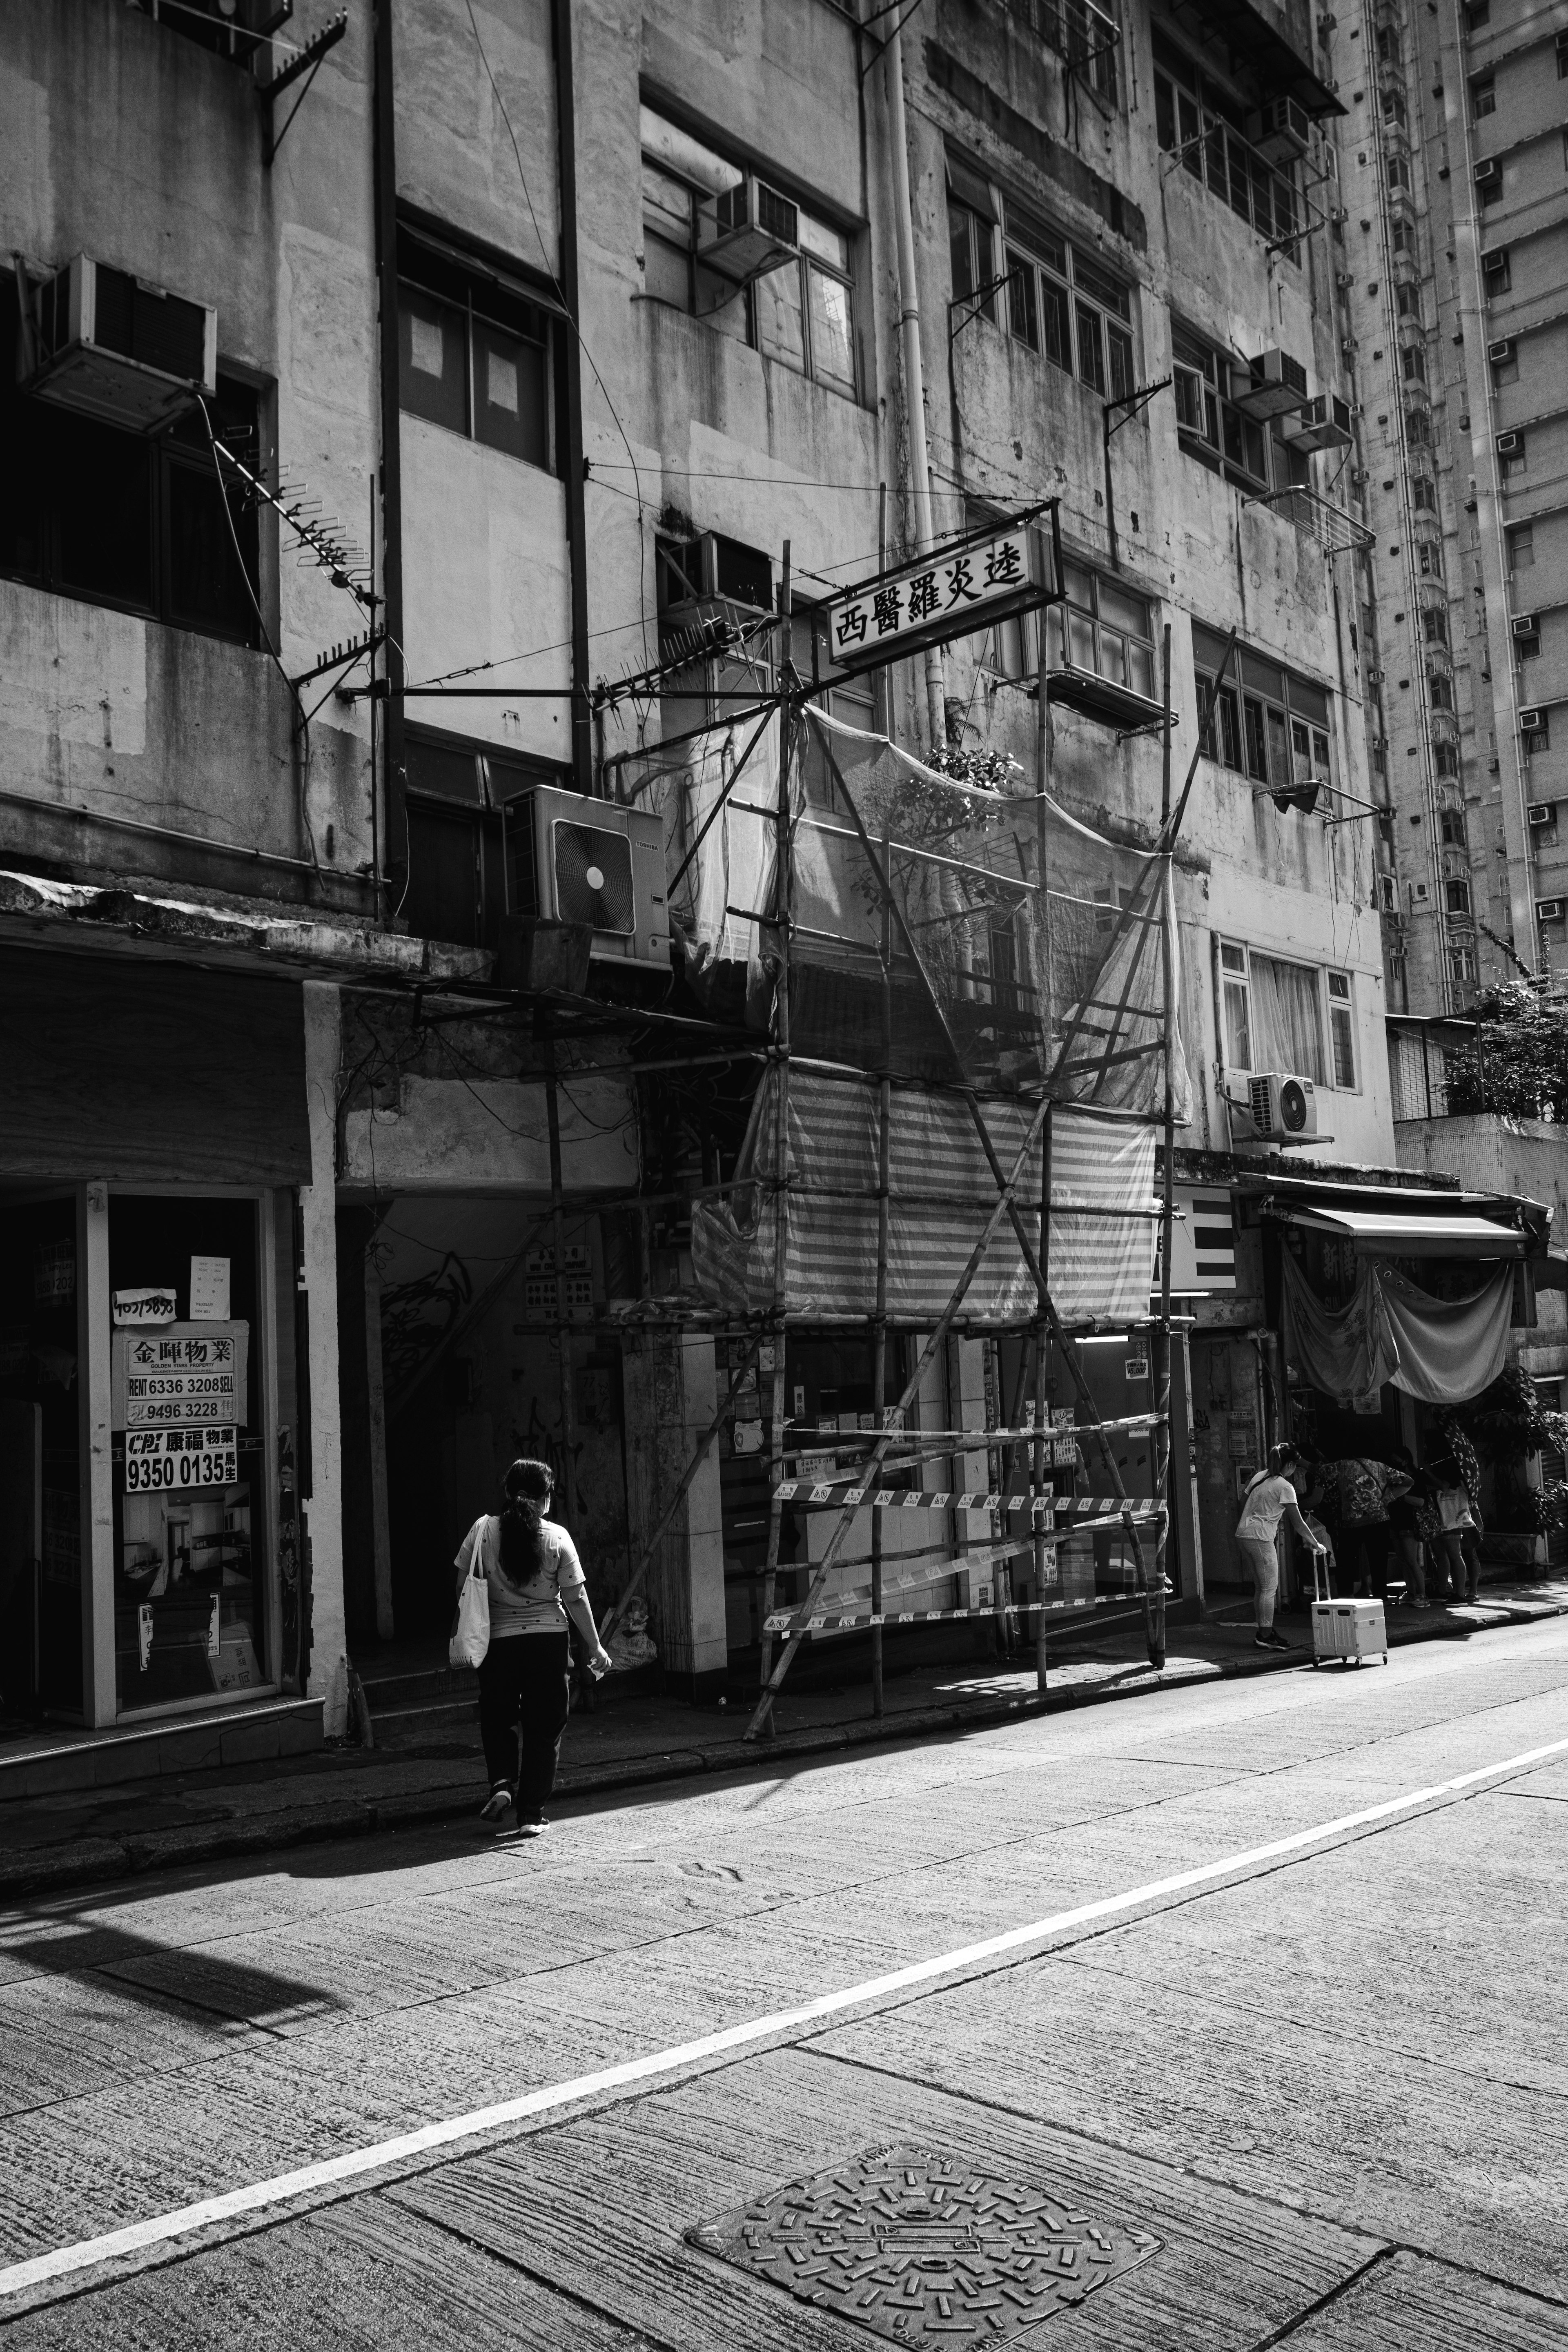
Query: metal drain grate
point(914, 2243)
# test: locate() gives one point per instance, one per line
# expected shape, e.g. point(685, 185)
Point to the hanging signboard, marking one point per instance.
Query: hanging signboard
point(967, 585)
point(190, 1376)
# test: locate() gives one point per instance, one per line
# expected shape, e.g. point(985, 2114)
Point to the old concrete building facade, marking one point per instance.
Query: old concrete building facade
point(278, 803)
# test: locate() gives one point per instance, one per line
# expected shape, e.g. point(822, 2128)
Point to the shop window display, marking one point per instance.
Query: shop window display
point(40, 1492)
point(190, 1546)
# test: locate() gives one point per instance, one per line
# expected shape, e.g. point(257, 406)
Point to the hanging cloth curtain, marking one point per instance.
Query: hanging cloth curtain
point(1442, 1350)
point(1287, 1031)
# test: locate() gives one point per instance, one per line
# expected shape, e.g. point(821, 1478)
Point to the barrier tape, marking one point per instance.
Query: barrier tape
point(846, 1621)
point(838, 1494)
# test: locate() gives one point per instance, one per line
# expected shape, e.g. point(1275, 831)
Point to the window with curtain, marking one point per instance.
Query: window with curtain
point(1287, 1023)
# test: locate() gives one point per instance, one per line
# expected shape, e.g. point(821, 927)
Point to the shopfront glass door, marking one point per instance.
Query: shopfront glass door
point(191, 1546)
point(41, 1460)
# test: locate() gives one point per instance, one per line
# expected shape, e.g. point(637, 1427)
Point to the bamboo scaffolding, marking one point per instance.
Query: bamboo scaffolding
point(784, 909)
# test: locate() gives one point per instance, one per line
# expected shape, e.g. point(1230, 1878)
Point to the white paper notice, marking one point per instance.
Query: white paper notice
point(144, 1309)
point(209, 1289)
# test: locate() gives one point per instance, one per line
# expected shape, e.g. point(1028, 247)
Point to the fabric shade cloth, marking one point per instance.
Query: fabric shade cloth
point(1376, 1231)
point(1442, 1350)
point(942, 1192)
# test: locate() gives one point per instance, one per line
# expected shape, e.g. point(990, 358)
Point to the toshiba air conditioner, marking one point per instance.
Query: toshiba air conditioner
point(1489, 173)
point(746, 231)
point(1548, 910)
point(1541, 812)
point(1283, 1106)
point(1270, 385)
point(1526, 624)
point(1499, 353)
point(112, 346)
point(1530, 722)
point(1281, 129)
point(1508, 445)
point(1324, 423)
point(591, 864)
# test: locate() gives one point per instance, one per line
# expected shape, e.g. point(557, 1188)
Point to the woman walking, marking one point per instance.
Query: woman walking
point(535, 1580)
point(1271, 1498)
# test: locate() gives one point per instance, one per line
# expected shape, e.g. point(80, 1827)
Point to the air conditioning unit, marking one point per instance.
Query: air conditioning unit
point(591, 864)
point(1282, 1107)
point(1270, 385)
point(1548, 910)
point(1359, 476)
point(747, 231)
point(1375, 676)
point(1489, 174)
point(1344, 281)
point(1501, 352)
point(1508, 445)
point(1322, 423)
point(1542, 813)
point(1281, 129)
point(110, 345)
point(1530, 722)
point(1526, 624)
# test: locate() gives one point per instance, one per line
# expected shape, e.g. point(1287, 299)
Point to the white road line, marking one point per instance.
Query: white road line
point(633, 2073)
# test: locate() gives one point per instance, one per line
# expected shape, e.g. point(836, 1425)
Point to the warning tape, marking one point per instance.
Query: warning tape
point(838, 1494)
point(845, 1621)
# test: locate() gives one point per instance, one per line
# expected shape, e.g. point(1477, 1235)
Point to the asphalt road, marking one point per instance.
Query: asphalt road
point(1230, 2036)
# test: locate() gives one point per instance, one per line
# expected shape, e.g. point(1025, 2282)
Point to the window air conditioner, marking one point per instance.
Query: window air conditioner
point(1508, 445)
point(1282, 1107)
point(110, 346)
point(1280, 130)
point(1270, 385)
point(1497, 353)
point(1489, 174)
point(1542, 813)
point(747, 231)
point(1359, 476)
point(1548, 910)
point(1526, 624)
point(1530, 722)
point(587, 862)
point(1375, 676)
point(1322, 423)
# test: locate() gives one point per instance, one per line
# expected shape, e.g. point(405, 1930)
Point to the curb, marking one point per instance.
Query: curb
point(109, 1859)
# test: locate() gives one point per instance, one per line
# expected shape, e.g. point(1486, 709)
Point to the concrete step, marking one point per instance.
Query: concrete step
point(48, 1760)
point(418, 1686)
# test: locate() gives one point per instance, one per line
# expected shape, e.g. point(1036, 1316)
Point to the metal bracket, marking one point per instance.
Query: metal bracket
point(307, 63)
point(1132, 402)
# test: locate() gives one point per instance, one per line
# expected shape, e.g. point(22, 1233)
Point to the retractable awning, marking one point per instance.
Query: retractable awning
point(1377, 1233)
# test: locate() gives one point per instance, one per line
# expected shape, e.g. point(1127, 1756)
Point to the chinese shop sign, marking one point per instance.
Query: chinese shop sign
point(190, 1376)
point(955, 592)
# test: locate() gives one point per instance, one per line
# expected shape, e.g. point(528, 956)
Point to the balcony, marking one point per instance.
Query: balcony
point(1318, 519)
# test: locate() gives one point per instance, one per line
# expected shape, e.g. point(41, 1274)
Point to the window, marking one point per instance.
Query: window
point(473, 352)
point(1422, 493)
point(1513, 459)
point(1483, 96)
point(1435, 625)
point(1538, 738)
point(1456, 895)
point(1398, 172)
point(1429, 556)
point(1446, 759)
point(1417, 428)
point(231, 29)
point(1526, 647)
point(1497, 277)
point(1267, 725)
point(1404, 237)
point(1387, 46)
point(1477, 13)
point(1562, 57)
point(1393, 107)
point(1451, 827)
point(1412, 359)
point(1439, 690)
point(1408, 301)
point(1202, 124)
point(1462, 967)
point(1521, 548)
point(123, 518)
point(1271, 1016)
point(971, 236)
point(1342, 1030)
point(1103, 629)
point(1087, 36)
point(1062, 303)
point(1212, 428)
point(802, 313)
point(466, 836)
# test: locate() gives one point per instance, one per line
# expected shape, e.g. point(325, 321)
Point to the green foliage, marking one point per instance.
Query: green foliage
point(1518, 1064)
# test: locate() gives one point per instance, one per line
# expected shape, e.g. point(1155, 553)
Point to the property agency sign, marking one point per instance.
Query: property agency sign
point(951, 593)
point(190, 1376)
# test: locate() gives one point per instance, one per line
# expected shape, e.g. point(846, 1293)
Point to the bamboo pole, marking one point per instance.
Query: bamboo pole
point(879, 1342)
point(884, 1446)
point(783, 856)
point(1036, 1482)
point(558, 1224)
point(1163, 1449)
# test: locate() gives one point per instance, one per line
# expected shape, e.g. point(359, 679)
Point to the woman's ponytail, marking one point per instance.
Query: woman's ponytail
point(528, 1489)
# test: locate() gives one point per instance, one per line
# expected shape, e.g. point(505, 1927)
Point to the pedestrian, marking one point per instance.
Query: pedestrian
point(1459, 1528)
point(1366, 1489)
point(535, 1584)
point(1269, 1498)
point(1413, 1519)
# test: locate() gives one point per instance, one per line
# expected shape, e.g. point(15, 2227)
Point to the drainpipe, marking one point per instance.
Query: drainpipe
point(914, 370)
point(571, 455)
point(394, 836)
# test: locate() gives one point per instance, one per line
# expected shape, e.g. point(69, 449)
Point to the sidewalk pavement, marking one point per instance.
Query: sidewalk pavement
point(434, 1771)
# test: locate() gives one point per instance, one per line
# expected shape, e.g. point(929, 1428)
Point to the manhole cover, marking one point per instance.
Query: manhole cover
point(913, 2243)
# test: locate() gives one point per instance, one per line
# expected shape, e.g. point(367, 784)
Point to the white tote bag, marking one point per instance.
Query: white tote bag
point(473, 1637)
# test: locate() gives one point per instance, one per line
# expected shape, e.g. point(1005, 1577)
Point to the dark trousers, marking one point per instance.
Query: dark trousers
point(524, 1696)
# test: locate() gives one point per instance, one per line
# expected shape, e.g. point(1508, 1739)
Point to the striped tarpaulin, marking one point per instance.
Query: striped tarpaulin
point(941, 1192)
